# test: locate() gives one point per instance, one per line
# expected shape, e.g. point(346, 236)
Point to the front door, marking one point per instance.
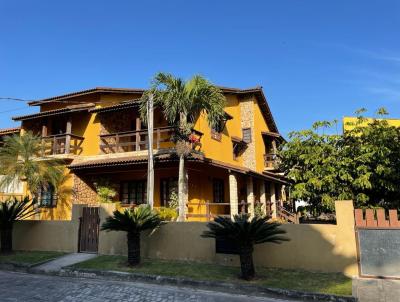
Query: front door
point(89, 230)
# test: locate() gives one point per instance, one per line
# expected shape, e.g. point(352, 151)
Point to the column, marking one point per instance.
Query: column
point(68, 137)
point(233, 194)
point(250, 196)
point(274, 208)
point(263, 197)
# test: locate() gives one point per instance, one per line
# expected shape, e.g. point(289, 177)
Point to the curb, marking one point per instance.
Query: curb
point(207, 285)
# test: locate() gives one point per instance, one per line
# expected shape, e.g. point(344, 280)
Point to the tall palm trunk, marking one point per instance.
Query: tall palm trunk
point(246, 262)
point(181, 188)
point(6, 240)
point(133, 248)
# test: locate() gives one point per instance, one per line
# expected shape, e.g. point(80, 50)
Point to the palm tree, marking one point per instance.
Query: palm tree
point(244, 234)
point(182, 102)
point(133, 221)
point(10, 211)
point(19, 159)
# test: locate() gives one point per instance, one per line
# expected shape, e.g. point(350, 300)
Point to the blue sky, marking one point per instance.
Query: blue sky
point(316, 60)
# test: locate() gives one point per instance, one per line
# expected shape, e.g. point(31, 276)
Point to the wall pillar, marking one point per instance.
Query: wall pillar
point(274, 208)
point(263, 197)
point(233, 194)
point(250, 196)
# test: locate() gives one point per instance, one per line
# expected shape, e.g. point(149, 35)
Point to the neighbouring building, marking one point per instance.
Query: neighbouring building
point(100, 137)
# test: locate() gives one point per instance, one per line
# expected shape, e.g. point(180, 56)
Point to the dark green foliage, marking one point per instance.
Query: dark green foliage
point(10, 211)
point(133, 221)
point(19, 160)
point(245, 233)
point(362, 164)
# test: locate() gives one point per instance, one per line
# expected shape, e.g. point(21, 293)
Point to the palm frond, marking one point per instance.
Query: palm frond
point(133, 220)
point(15, 209)
point(245, 231)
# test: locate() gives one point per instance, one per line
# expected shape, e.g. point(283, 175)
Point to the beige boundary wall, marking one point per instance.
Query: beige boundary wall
point(327, 248)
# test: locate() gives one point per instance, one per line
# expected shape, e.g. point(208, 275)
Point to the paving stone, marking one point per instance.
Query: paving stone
point(33, 288)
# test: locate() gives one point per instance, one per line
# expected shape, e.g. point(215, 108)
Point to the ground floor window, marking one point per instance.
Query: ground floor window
point(218, 190)
point(47, 196)
point(169, 190)
point(134, 192)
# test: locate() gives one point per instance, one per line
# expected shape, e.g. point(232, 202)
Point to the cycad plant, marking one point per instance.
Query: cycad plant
point(244, 233)
point(182, 102)
point(12, 210)
point(133, 222)
point(19, 159)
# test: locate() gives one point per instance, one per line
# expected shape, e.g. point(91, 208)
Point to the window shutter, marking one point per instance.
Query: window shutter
point(246, 132)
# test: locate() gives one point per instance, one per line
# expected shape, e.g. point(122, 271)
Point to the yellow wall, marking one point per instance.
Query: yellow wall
point(349, 121)
point(325, 248)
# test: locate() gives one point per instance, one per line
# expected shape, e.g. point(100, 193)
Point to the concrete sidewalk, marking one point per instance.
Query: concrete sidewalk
point(376, 290)
point(56, 264)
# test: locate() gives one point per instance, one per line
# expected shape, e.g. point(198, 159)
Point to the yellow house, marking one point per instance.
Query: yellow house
point(99, 136)
point(350, 121)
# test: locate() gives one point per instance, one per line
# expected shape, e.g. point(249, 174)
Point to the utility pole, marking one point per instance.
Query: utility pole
point(150, 167)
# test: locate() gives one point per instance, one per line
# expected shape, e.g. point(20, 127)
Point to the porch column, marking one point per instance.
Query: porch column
point(233, 194)
point(186, 190)
point(68, 137)
point(274, 207)
point(250, 196)
point(263, 197)
point(137, 138)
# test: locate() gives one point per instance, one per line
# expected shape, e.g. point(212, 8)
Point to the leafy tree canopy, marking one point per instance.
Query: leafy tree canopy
point(362, 163)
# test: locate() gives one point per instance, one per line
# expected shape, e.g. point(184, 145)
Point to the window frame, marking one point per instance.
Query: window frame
point(249, 134)
point(164, 196)
point(51, 197)
point(218, 191)
point(133, 192)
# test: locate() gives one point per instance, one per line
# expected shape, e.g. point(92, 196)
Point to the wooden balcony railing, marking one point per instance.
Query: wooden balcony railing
point(61, 144)
point(137, 140)
point(271, 161)
point(209, 210)
point(286, 215)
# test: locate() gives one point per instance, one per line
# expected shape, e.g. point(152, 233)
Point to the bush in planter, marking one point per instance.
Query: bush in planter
point(167, 213)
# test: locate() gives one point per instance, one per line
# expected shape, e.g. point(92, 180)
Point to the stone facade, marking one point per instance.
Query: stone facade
point(83, 191)
point(118, 121)
point(247, 121)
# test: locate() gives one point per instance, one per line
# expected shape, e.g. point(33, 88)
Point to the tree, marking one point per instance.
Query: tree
point(10, 211)
point(134, 222)
point(245, 233)
point(361, 164)
point(19, 159)
point(182, 102)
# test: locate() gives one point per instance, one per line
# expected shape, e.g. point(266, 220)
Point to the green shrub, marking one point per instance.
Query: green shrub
point(105, 194)
point(167, 214)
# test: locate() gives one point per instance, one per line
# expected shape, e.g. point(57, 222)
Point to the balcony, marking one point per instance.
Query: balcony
point(130, 141)
point(271, 161)
point(58, 144)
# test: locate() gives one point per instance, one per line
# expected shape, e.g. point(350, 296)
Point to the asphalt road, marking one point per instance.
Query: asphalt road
point(31, 287)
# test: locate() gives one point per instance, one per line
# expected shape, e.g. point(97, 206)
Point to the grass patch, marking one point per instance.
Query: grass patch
point(28, 258)
point(329, 283)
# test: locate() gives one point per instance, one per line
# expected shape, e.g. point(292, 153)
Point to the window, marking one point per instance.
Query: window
point(168, 187)
point(218, 190)
point(47, 196)
point(134, 192)
point(246, 135)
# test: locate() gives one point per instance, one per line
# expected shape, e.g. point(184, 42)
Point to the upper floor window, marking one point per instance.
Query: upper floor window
point(218, 190)
point(246, 135)
point(134, 192)
point(47, 196)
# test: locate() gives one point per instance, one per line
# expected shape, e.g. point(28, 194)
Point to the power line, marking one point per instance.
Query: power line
point(14, 99)
point(14, 109)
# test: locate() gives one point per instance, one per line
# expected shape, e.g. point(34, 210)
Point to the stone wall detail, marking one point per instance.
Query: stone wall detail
point(247, 121)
